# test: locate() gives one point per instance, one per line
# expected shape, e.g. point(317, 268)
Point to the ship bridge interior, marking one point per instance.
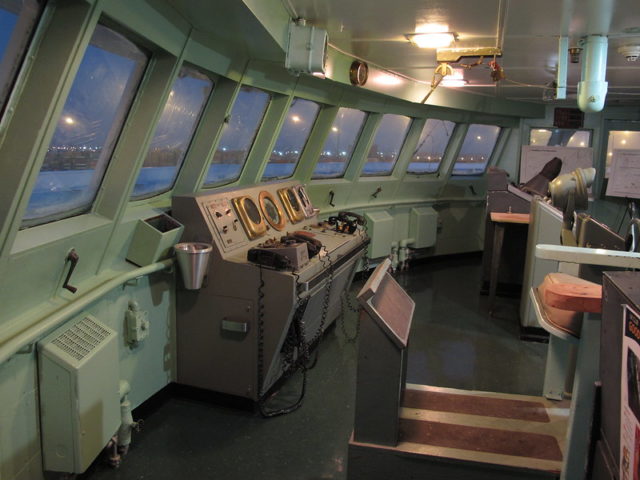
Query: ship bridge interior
point(194, 194)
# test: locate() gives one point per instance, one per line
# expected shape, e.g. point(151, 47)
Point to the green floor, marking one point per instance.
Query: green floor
point(453, 344)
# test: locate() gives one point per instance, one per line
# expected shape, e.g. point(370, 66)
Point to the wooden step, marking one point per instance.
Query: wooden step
point(450, 433)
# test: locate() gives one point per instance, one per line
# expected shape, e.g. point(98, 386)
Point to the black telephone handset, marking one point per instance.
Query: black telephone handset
point(269, 258)
point(347, 222)
point(313, 244)
point(359, 219)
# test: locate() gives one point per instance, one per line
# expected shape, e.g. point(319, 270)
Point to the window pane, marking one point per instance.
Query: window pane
point(238, 136)
point(168, 148)
point(560, 137)
point(340, 143)
point(386, 145)
point(476, 150)
point(292, 139)
point(87, 130)
point(17, 21)
point(431, 146)
point(621, 140)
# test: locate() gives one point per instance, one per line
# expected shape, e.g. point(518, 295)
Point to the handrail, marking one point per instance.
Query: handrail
point(590, 256)
point(43, 324)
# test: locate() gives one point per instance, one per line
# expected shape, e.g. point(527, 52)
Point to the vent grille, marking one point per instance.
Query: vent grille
point(81, 339)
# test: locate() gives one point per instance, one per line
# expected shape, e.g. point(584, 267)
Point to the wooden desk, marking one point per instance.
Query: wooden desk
point(500, 219)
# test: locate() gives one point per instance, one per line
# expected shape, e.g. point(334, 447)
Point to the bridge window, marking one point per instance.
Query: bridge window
point(87, 129)
point(620, 140)
point(341, 141)
point(384, 151)
point(431, 146)
point(292, 139)
point(476, 150)
point(237, 137)
point(17, 21)
point(174, 132)
point(559, 137)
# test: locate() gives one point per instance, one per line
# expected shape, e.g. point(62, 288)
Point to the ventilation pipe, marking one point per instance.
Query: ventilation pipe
point(561, 82)
point(394, 256)
point(592, 90)
point(127, 423)
point(403, 253)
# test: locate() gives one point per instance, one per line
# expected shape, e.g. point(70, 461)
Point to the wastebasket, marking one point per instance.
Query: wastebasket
point(193, 258)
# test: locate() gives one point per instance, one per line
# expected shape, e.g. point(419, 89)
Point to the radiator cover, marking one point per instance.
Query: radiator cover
point(79, 398)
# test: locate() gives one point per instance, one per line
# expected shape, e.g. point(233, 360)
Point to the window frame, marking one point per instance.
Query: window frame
point(532, 129)
point(401, 147)
point(214, 80)
point(302, 148)
point(106, 23)
point(444, 152)
point(357, 140)
point(32, 12)
point(501, 132)
point(209, 186)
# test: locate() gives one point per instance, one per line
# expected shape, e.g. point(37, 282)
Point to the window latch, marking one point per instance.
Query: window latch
point(72, 258)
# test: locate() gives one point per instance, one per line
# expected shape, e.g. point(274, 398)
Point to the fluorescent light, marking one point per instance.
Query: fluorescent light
point(454, 80)
point(432, 40)
point(432, 35)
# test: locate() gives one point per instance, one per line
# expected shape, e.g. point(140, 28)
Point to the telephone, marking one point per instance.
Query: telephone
point(347, 222)
point(313, 244)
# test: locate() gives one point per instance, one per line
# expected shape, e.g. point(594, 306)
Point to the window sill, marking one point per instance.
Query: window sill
point(33, 237)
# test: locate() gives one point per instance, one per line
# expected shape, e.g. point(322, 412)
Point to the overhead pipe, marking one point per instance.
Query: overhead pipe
point(561, 79)
point(592, 90)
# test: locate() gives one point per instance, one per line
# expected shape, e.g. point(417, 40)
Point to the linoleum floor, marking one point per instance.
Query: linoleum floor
point(453, 343)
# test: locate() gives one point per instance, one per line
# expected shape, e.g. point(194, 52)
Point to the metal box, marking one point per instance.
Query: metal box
point(153, 239)
point(307, 49)
point(79, 397)
point(423, 227)
point(380, 227)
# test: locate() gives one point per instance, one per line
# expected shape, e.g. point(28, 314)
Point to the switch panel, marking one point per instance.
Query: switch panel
point(226, 223)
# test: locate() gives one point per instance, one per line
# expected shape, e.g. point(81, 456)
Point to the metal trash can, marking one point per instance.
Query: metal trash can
point(193, 258)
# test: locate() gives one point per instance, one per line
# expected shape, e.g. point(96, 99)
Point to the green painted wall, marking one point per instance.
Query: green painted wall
point(32, 261)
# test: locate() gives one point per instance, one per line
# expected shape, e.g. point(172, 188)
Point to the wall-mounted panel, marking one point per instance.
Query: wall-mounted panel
point(380, 228)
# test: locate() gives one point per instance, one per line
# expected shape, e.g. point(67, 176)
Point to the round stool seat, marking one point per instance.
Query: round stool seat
point(565, 298)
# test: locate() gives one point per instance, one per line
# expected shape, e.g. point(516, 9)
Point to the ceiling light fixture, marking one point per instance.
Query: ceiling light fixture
point(432, 40)
point(455, 79)
point(432, 35)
